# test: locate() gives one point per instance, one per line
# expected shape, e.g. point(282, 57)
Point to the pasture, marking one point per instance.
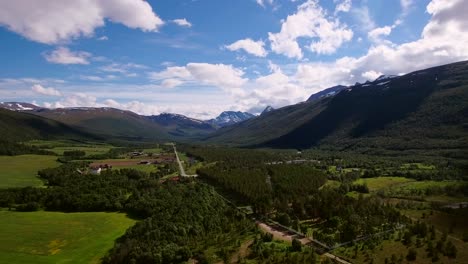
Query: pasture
point(375, 184)
point(127, 164)
point(21, 171)
point(51, 237)
point(60, 146)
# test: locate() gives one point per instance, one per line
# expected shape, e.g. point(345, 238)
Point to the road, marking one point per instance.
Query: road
point(181, 168)
point(289, 234)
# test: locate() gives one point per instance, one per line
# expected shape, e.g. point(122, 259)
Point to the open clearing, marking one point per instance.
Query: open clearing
point(21, 171)
point(51, 237)
point(378, 183)
point(89, 150)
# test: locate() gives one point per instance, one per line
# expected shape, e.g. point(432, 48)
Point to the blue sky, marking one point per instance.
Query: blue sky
point(201, 57)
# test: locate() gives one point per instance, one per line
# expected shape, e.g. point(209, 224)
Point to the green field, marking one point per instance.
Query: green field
point(89, 150)
point(376, 184)
point(144, 168)
point(50, 237)
point(139, 167)
point(21, 171)
point(59, 146)
point(421, 185)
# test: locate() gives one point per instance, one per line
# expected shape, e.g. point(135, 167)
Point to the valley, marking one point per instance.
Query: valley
point(347, 180)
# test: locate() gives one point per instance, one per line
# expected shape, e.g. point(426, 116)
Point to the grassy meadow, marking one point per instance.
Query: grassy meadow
point(21, 171)
point(51, 237)
point(375, 184)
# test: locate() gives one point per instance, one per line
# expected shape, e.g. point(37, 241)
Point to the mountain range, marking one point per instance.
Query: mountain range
point(122, 124)
point(423, 110)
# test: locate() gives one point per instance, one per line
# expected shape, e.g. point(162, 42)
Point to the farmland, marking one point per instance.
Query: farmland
point(21, 171)
point(51, 237)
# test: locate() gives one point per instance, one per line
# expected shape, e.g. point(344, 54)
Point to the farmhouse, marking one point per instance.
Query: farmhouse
point(96, 170)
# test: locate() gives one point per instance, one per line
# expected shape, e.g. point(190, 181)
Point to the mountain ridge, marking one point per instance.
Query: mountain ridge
point(410, 110)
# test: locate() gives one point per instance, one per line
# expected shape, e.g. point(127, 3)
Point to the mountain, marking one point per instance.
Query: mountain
point(182, 126)
point(109, 122)
point(18, 106)
point(424, 110)
point(326, 93)
point(267, 109)
point(120, 123)
point(268, 126)
point(20, 126)
point(385, 77)
point(228, 118)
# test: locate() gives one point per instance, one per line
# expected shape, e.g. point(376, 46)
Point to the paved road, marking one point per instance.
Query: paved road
point(181, 168)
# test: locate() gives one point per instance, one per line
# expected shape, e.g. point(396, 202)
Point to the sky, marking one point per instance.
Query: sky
point(201, 57)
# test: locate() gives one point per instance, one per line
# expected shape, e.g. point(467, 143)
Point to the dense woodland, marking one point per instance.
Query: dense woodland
point(293, 192)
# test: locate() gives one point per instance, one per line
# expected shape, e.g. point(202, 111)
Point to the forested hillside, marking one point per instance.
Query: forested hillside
point(108, 122)
point(17, 126)
point(425, 110)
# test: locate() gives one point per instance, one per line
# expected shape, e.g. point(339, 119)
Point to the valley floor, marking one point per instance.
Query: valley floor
point(52, 237)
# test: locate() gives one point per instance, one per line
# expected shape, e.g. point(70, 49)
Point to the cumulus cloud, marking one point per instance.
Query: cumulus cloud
point(344, 6)
point(74, 100)
point(371, 75)
point(248, 45)
point(435, 47)
point(56, 21)
point(37, 88)
point(309, 22)
point(63, 55)
point(376, 34)
point(182, 22)
point(222, 76)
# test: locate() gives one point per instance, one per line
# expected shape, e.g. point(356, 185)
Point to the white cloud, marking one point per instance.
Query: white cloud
point(171, 83)
point(317, 76)
point(219, 75)
point(123, 68)
point(343, 6)
point(74, 100)
point(406, 6)
point(264, 2)
point(182, 22)
point(309, 22)
point(45, 91)
point(371, 75)
point(96, 78)
point(175, 72)
point(56, 21)
point(376, 34)
point(435, 47)
point(103, 38)
point(63, 55)
point(248, 45)
point(364, 18)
